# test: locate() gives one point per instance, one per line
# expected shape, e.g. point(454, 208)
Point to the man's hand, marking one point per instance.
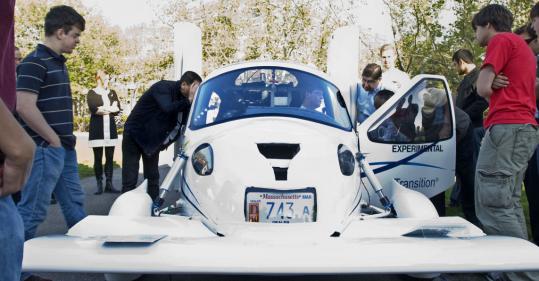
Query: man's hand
point(13, 178)
point(192, 90)
point(55, 142)
point(500, 81)
point(18, 149)
point(191, 96)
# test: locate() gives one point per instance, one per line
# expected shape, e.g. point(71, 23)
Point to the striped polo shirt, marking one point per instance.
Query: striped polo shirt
point(44, 73)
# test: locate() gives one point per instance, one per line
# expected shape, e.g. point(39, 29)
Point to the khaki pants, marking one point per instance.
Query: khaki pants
point(503, 158)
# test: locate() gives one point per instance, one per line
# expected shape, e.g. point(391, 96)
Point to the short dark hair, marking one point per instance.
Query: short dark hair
point(189, 77)
point(535, 11)
point(497, 15)
point(63, 17)
point(463, 54)
point(384, 94)
point(372, 70)
point(527, 28)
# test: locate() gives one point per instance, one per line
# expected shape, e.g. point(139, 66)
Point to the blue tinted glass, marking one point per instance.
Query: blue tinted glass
point(269, 91)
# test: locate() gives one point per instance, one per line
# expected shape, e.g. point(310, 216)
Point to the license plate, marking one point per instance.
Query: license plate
point(280, 206)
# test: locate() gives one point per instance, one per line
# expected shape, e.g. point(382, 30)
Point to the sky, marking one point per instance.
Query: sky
point(124, 13)
point(373, 17)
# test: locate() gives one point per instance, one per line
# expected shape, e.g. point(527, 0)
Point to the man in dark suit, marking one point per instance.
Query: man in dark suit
point(150, 128)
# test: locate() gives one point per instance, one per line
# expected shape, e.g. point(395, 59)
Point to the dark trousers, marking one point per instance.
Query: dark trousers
point(98, 164)
point(531, 182)
point(478, 134)
point(131, 153)
point(439, 203)
point(465, 170)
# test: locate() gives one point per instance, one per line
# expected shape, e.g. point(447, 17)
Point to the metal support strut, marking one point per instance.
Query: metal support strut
point(176, 168)
point(384, 200)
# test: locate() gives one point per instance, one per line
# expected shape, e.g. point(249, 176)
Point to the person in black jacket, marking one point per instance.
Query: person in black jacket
point(467, 98)
point(473, 105)
point(104, 105)
point(152, 126)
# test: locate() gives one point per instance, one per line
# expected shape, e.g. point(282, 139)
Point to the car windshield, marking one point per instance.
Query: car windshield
point(269, 91)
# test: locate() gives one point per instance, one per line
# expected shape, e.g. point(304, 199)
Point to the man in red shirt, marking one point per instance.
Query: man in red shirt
point(511, 135)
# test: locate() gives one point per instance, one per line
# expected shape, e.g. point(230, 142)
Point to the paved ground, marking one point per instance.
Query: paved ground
point(100, 205)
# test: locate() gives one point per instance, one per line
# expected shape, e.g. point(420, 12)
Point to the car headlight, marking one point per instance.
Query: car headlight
point(202, 160)
point(346, 160)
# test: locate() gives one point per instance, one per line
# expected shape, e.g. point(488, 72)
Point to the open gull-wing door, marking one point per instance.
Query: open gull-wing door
point(343, 64)
point(411, 138)
point(187, 57)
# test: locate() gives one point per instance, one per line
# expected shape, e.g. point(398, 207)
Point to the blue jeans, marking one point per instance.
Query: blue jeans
point(11, 240)
point(55, 169)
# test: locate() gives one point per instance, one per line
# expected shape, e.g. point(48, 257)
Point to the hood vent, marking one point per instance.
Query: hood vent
point(281, 174)
point(278, 150)
point(281, 154)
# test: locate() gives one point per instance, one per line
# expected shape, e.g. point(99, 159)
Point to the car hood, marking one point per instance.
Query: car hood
point(240, 162)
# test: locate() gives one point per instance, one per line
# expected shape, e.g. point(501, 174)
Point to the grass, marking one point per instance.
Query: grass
point(88, 171)
point(457, 211)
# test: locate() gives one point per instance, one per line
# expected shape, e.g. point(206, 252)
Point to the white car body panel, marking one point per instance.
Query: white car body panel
point(426, 167)
point(371, 246)
point(221, 193)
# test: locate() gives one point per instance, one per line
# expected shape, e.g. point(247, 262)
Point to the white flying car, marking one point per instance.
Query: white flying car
point(274, 177)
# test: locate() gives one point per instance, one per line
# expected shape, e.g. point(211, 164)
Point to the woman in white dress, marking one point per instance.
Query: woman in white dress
point(104, 105)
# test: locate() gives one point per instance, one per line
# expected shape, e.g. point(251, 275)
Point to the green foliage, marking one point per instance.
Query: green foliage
point(81, 123)
point(29, 24)
point(100, 44)
point(300, 30)
point(154, 66)
point(462, 36)
point(269, 29)
point(425, 46)
point(120, 124)
point(99, 49)
point(220, 34)
point(88, 171)
point(85, 171)
point(521, 10)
